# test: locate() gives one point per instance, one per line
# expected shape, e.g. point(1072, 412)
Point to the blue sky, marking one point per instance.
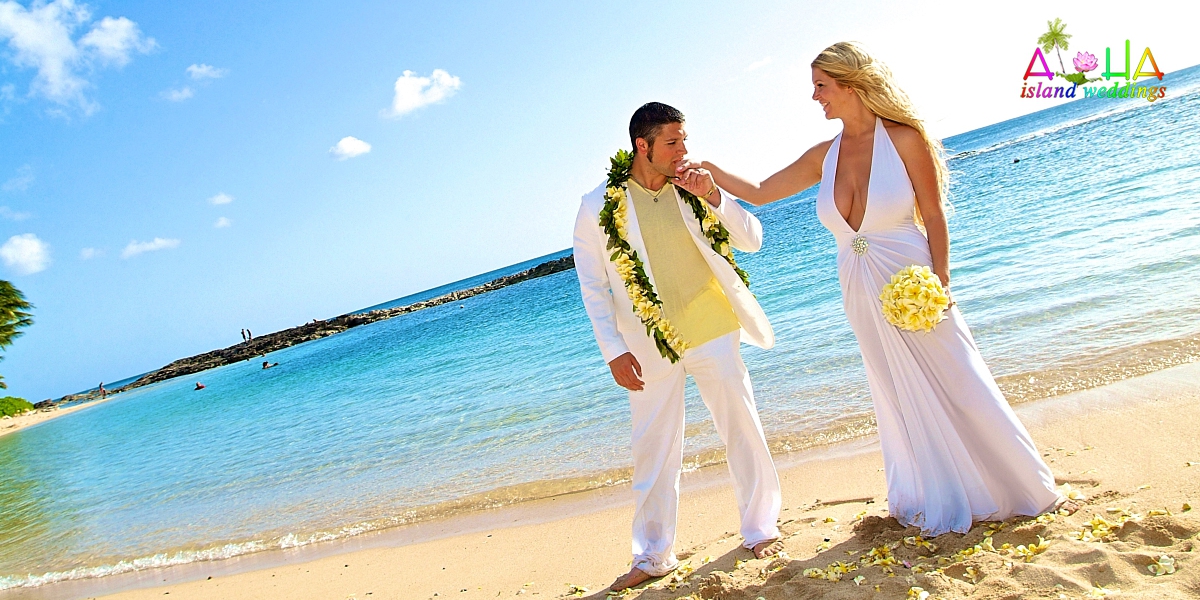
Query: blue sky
point(170, 172)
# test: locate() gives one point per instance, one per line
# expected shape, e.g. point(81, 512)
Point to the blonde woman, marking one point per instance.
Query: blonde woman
point(954, 451)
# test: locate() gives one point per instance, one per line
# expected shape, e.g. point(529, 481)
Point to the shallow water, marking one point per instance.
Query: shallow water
point(1075, 266)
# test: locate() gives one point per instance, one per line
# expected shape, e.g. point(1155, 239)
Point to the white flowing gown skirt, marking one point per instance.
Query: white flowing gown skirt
point(954, 452)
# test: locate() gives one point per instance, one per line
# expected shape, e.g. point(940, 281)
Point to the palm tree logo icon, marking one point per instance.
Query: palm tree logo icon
point(1056, 38)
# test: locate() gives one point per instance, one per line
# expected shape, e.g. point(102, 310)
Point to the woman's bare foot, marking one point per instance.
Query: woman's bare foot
point(767, 548)
point(635, 576)
point(1068, 505)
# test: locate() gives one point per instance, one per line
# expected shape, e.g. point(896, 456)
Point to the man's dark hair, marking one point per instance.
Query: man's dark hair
point(648, 119)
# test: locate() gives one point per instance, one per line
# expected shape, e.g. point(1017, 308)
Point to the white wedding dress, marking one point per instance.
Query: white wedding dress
point(953, 450)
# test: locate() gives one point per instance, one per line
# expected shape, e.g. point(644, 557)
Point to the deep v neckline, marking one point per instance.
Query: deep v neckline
point(837, 162)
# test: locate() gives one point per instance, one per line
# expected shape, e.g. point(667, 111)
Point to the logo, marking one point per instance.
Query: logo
point(1056, 39)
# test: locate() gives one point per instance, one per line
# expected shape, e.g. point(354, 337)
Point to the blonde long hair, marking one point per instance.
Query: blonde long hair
point(849, 64)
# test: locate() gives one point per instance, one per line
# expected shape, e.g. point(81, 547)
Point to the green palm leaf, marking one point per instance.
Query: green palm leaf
point(1056, 38)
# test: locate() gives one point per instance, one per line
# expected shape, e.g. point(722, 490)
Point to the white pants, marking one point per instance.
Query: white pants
point(658, 415)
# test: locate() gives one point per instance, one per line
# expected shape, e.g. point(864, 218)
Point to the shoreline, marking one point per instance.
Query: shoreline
point(41, 415)
point(606, 507)
point(1056, 381)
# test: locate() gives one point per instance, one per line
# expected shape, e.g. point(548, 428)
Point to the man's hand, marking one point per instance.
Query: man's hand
point(698, 181)
point(627, 372)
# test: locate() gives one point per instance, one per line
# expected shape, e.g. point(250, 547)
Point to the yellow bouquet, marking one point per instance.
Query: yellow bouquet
point(915, 299)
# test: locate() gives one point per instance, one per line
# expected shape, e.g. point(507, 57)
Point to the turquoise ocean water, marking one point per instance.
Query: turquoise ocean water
point(1089, 244)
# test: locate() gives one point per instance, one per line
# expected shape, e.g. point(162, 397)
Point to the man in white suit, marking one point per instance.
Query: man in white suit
point(709, 306)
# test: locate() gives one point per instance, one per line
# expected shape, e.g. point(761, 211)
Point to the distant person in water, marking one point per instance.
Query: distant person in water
point(103, 392)
point(268, 366)
point(243, 335)
point(249, 336)
point(199, 386)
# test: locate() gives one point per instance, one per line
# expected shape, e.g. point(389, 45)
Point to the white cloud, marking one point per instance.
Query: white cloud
point(758, 64)
point(206, 72)
point(90, 253)
point(114, 39)
point(40, 37)
point(178, 95)
point(222, 222)
point(21, 181)
point(135, 247)
point(25, 254)
point(349, 147)
point(220, 199)
point(13, 215)
point(413, 91)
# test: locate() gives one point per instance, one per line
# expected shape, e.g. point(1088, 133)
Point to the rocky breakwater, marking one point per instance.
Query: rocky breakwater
point(318, 329)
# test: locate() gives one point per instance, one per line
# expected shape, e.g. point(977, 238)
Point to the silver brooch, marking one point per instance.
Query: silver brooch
point(859, 245)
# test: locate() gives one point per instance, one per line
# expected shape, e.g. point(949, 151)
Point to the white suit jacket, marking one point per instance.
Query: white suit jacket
point(618, 330)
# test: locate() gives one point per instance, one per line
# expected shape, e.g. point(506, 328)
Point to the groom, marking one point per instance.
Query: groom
point(705, 301)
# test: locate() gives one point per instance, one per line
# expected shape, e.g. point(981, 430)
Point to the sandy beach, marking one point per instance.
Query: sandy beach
point(41, 415)
point(1129, 448)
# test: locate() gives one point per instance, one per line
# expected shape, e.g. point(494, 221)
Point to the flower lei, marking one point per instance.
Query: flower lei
point(646, 305)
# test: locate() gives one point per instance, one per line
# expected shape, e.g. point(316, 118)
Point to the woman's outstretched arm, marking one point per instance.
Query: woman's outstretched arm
point(794, 178)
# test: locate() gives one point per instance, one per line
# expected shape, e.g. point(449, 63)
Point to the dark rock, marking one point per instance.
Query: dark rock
point(279, 340)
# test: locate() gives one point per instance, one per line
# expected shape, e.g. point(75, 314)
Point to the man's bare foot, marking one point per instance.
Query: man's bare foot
point(767, 548)
point(635, 576)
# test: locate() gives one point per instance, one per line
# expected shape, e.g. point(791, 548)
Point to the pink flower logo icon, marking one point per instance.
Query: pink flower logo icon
point(1085, 61)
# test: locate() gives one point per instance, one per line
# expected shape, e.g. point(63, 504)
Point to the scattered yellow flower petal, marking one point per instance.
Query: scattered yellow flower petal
point(919, 542)
point(973, 574)
point(1028, 552)
point(1071, 493)
point(1192, 464)
point(917, 593)
point(831, 519)
point(1144, 487)
point(1103, 592)
point(1186, 507)
point(859, 579)
point(1165, 565)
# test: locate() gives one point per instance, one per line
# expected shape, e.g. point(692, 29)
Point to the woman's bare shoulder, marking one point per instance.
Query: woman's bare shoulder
point(819, 150)
point(903, 135)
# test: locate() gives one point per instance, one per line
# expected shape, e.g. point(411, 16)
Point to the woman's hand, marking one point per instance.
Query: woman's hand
point(700, 183)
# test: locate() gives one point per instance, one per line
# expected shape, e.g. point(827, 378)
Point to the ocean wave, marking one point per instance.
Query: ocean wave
point(138, 564)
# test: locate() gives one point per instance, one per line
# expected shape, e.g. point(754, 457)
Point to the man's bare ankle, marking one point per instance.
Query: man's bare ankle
point(634, 577)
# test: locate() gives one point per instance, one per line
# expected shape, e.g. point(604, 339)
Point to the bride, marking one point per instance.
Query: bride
point(953, 449)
